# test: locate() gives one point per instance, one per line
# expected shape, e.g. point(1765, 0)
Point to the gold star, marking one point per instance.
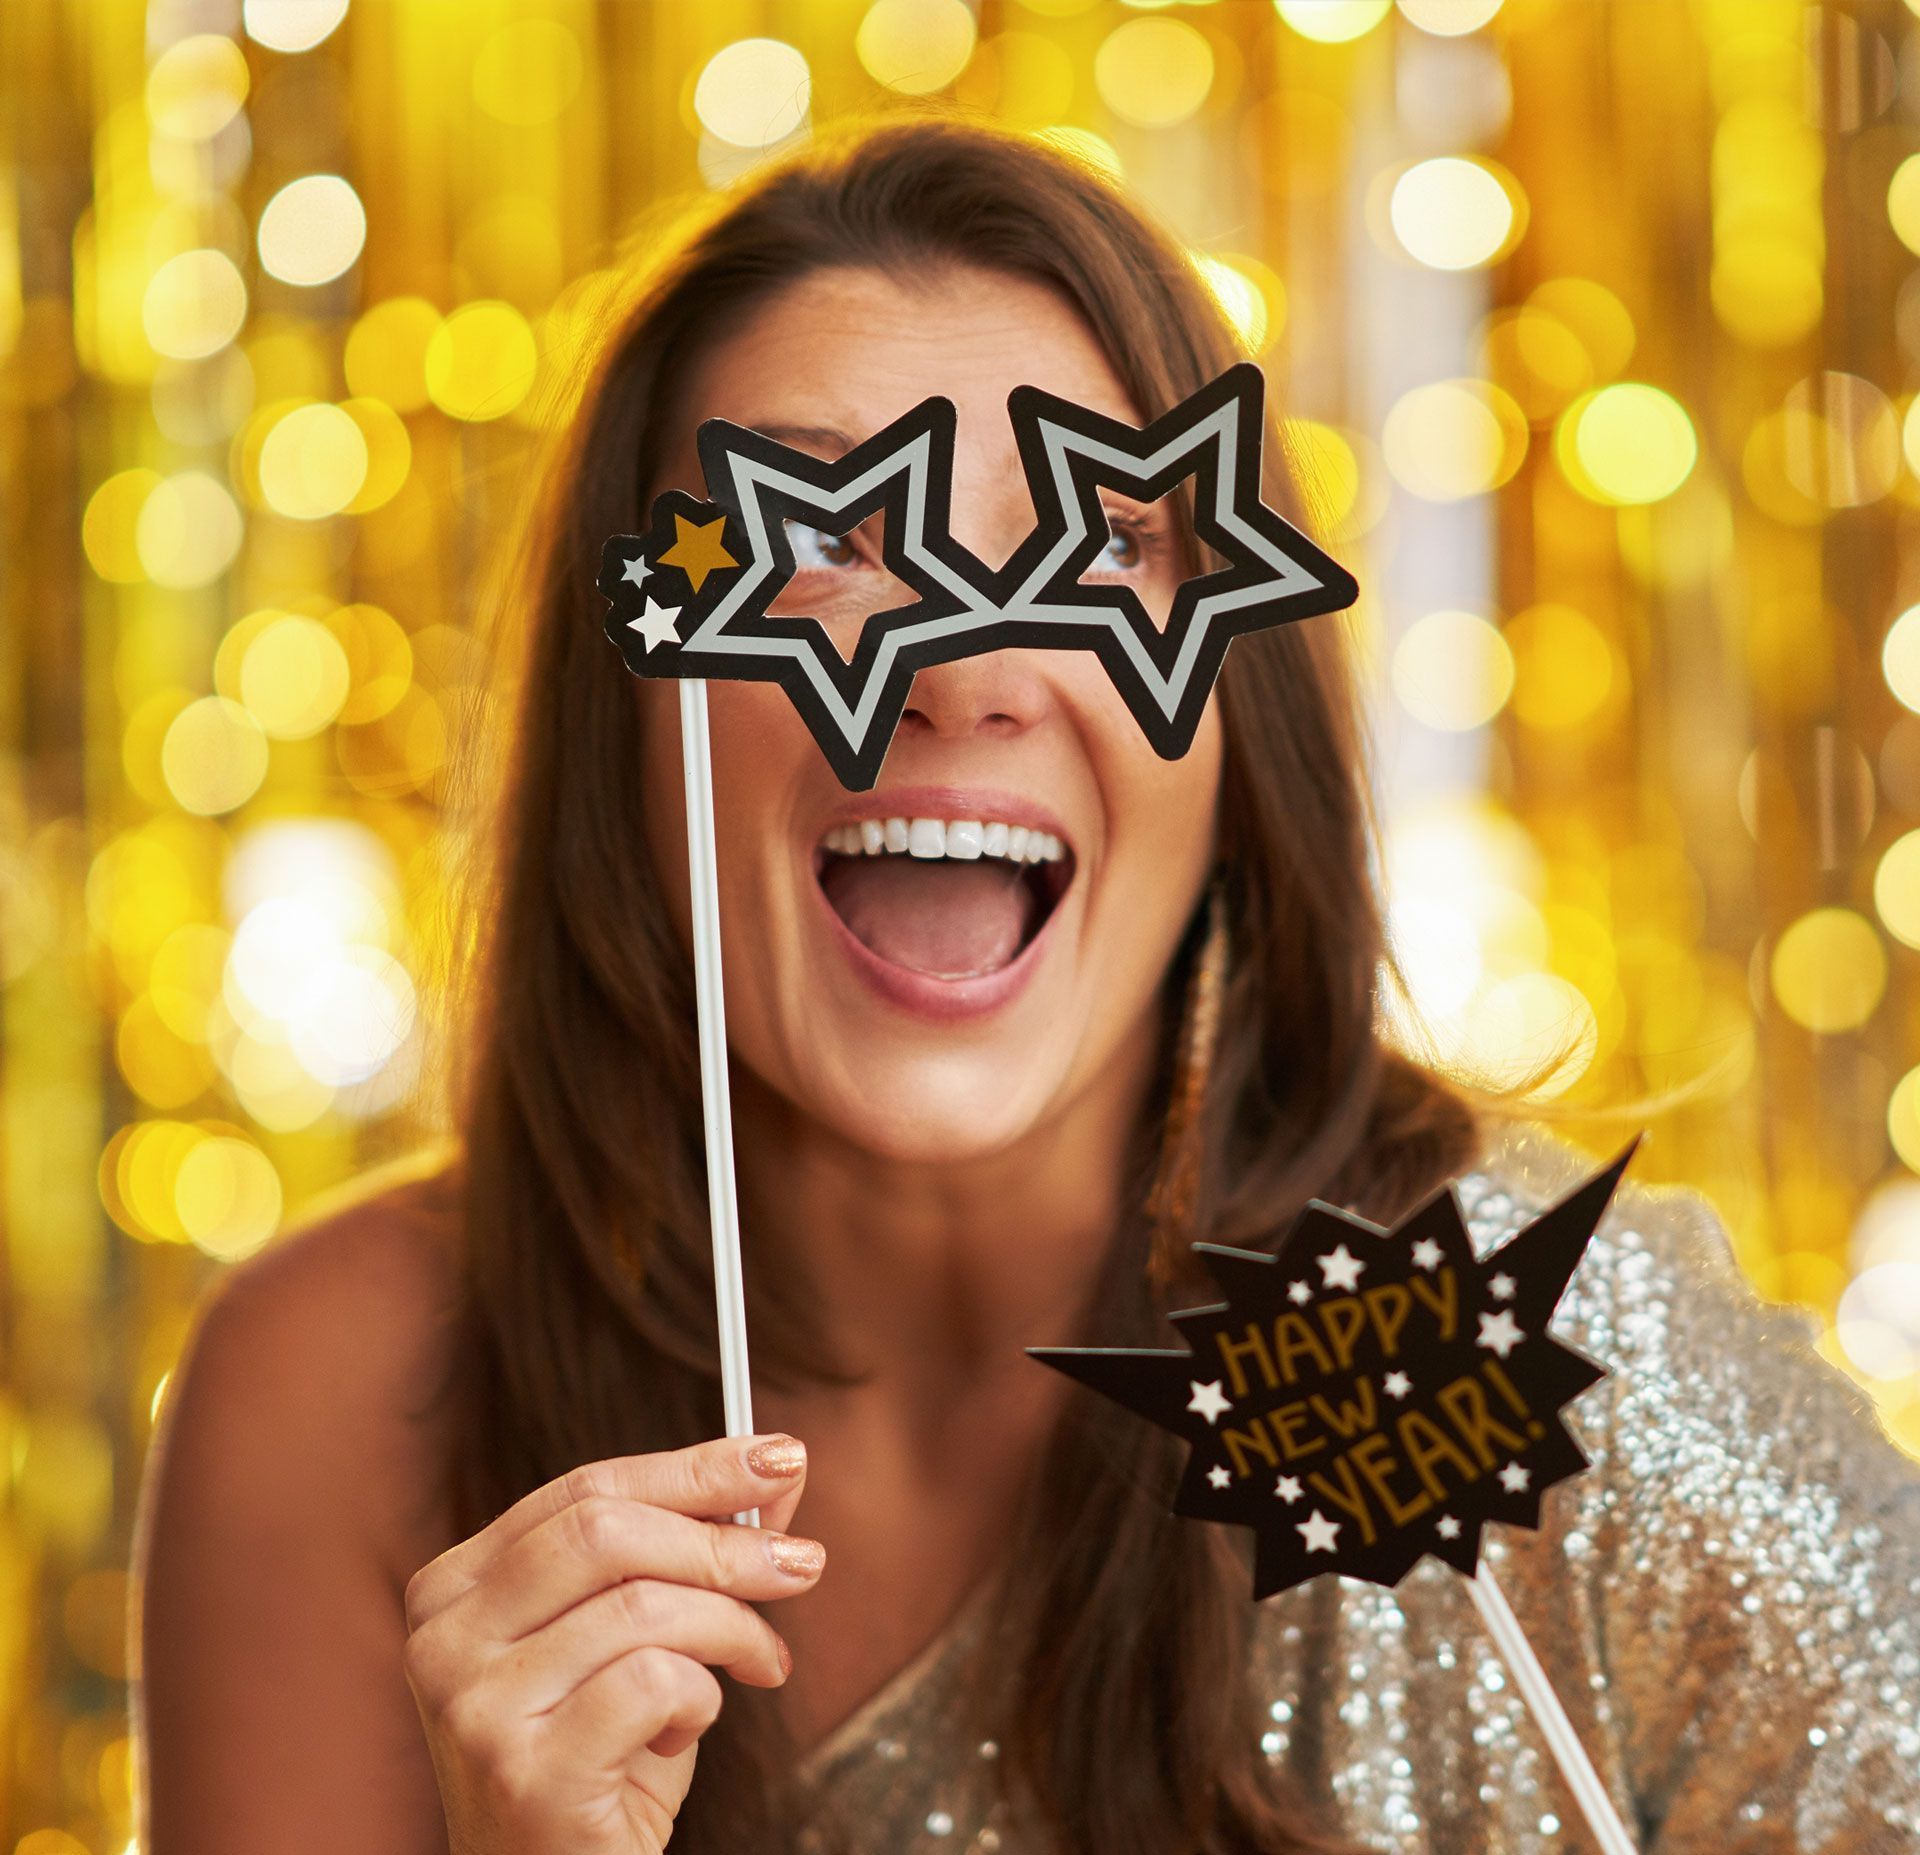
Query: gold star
point(697, 549)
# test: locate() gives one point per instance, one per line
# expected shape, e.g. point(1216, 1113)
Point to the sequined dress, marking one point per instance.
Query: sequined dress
point(1728, 1604)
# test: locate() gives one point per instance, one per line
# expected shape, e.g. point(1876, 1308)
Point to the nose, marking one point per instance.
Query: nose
point(997, 696)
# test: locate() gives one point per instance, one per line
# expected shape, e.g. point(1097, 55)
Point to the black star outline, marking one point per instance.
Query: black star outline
point(1541, 1258)
point(852, 705)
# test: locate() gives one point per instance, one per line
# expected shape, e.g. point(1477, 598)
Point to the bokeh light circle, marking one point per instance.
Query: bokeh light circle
point(1829, 970)
point(915, 46)
point(1451, 213)
point(188, 531)
point(195, 304)
point(294, 677)
point(1153, 72)
point(753, 93)
point(227, 1197)
point(1896, 888)
point(1900, 658)
point(1333, 22)
point(312, 463)
point(1452, 671)
point(1454, 438)
point(291, 25)
point(1626, 443)
point(214, 756)
point(481, 361)
point(527, 71)
point(312, 230)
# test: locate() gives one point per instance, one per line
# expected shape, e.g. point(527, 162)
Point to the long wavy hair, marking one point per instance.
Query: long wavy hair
point(588, 1327)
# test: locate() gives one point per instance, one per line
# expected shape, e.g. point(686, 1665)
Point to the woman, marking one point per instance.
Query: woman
point(434, 1552)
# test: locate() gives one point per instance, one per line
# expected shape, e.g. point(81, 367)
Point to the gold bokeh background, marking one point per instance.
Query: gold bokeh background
point(1595, 322)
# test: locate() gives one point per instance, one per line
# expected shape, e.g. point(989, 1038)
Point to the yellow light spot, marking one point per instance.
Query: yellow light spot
point(1563, 666)
point(161, 1067)
point(753, 93)
point(159, 1395)
point(1454, 438)
point(1452, 670)
point(1449, 18)
point(1903, 1119)
point(386, 352)
point(1597, 317)
point(312, 463)
point(379, 660)
point(294, 678)
point(1329, 472)
point(145, 1167)
point(1829, 970)
point(194, 305)
point(312, 230)
point(1766, 284)
point(1153, 72)
point(527, 72)
point(1903, 203)
point(189, 530)
point(108, 529)
point(481, 361)
point(1535, 1033)
point(1333, 22)
point(1900, 658)
point(1242, 299)
point(1090, 150)
point(227, 1197)
point(1538, 359)
point(698, 549)
point(185, 978)
point(273, 1088)
point(915, 46)
point(292, 25)
point(1454, 214)
point(214, 756)
point(1896, 889)
point(196, 86)
point(389, 453)
point(1626, 443)
point(1841, 441)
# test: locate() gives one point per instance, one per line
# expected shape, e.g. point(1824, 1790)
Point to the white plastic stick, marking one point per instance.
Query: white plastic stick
point(729, 1297)
point(1537, 1690)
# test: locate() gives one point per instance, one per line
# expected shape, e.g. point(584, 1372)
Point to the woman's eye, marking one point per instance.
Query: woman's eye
point(1125, 549)
point(814, 547)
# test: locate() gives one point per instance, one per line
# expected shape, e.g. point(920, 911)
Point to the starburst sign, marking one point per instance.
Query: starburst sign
point(1364, 1397)
point(690, 597)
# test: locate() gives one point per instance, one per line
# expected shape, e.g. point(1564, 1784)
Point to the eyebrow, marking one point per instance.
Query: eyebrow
point(823, 437)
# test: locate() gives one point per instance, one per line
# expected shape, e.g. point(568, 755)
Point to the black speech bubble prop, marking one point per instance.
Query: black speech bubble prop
point(1365, 1396)
point(701, 609)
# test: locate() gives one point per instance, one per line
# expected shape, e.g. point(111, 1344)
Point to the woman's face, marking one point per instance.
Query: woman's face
point(940, 997)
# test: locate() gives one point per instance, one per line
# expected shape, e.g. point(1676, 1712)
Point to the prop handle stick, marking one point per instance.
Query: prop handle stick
point(729, 1299)
point(1575, 1766)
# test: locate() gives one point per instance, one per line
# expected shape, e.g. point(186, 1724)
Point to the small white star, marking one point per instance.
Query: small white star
point(1341, 1269)
point(1500, 1332)
point(1447, 1527)
point(1299, 1294)
point(1288, 1489)
point(656, 623)
point(635, 571)
point(1396, 1384)
point(1217, 1476)
point(1501, 1287)
point(1427, 1255)
point(1208, 1399)
point(1319, 1532)
point(1514, 1478)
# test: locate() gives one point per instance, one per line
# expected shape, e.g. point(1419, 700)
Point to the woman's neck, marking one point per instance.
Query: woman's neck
point(931, 1275)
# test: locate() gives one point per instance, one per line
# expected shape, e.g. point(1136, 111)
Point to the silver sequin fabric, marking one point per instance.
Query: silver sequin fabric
point(1727, 1603)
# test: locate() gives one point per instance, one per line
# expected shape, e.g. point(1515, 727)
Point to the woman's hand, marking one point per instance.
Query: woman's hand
point(561, 1658)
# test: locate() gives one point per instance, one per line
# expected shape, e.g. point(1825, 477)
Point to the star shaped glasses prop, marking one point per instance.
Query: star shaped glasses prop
point(692, 596)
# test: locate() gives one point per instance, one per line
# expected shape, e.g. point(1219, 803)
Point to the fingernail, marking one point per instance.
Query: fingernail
point(778, 1457)
point(798, 1558)
point(786, 1657)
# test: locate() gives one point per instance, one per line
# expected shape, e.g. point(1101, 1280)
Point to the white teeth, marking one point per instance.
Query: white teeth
point(961, 838)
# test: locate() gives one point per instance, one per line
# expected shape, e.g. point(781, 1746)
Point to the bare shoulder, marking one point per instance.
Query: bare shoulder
point(315, 1369)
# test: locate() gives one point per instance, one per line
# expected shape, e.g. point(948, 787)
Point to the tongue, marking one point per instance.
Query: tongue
point(953, 920)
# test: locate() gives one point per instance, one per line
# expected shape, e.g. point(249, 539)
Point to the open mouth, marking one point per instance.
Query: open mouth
point(950, 898)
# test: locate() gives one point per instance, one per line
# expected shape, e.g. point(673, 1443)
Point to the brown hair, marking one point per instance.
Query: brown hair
point(589, 1326)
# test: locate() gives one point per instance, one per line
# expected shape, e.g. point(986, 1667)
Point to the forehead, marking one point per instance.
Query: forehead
point(852, 349)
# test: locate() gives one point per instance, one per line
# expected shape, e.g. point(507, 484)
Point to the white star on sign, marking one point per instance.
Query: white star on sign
point(1447, 1527)
point(1427, 1254)
point(1208, 1399)
point(635, 570)
point(1396, 1384)
point(1500, 1332)
point(1501, 1287)
point(1513, 1478)
point(1217, 1476)
point(1319, 1532)
point(656, 623)
point(1299, 1294)
point(1341, 1269)
point(1288, 1489)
